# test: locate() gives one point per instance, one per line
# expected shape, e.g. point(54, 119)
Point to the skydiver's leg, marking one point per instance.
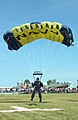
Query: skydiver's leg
point(33, 94)
point(40, 96)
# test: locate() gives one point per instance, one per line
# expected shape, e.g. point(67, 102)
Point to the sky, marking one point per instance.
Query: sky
point(54, 60)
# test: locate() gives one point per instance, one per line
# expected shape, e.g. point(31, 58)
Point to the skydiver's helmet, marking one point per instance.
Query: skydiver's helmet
point(37, 79)
point(68, 36)
point(9, 38)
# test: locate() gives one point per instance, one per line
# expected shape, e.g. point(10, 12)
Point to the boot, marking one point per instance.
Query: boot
point(40, 100)
point(31, 99)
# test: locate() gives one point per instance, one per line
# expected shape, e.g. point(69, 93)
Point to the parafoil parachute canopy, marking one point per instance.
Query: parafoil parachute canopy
point(29, 32)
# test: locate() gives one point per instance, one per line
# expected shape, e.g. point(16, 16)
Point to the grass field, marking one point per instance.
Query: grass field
point(69, 103)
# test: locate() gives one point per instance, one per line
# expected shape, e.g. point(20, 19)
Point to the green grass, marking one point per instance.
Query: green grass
point(69, 103)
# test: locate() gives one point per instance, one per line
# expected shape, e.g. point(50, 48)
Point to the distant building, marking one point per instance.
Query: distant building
point(53, 81)
point(56, 84)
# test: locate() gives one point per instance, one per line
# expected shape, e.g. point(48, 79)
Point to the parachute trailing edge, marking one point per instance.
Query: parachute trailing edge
point(26, 33)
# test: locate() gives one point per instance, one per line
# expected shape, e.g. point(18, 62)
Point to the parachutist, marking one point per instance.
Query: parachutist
point(37, 85)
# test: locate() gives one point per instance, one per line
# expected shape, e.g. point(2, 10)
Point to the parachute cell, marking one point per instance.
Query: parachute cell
point(26, 33)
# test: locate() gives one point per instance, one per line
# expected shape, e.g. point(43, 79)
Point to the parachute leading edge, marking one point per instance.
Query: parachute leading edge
point(26, 33)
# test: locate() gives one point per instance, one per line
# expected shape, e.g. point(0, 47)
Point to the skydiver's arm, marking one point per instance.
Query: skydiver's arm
point(32, 84)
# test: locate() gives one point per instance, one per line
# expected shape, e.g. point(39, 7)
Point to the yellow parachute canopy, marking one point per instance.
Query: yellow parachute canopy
point(26, 33)
point(29, 32)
